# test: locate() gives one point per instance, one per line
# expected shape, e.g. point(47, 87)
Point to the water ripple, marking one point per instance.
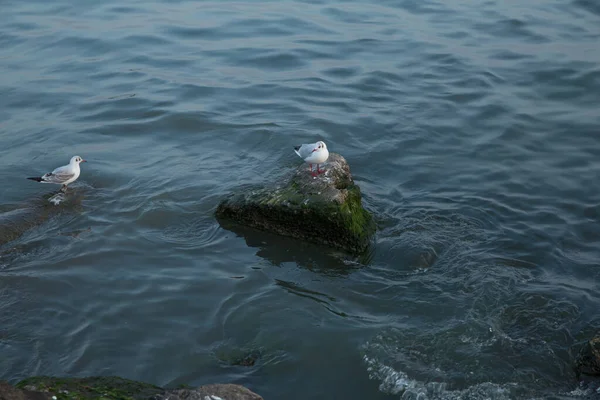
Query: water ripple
point(472, 132)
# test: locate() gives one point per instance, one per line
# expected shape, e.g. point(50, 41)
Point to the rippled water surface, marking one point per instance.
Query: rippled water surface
point(472, 128)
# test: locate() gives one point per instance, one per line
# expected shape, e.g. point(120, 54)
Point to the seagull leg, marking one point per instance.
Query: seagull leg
point(319, 171)
point(63, 189)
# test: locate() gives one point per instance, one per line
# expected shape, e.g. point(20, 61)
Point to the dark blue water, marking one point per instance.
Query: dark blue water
point(473, 130)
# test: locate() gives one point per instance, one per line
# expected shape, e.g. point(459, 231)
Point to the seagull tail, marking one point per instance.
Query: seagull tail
point(296, 148)
point(36, 178)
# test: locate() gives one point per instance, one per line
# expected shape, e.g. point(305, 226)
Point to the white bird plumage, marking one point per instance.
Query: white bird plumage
point(62, 175)
point(313, 153)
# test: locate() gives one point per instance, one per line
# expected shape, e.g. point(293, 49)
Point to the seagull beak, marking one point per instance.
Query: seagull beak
point(83, 160)
point(314, 150)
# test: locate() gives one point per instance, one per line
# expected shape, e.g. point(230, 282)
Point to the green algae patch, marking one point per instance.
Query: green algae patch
point(358, 220)
point(326, 209)
point(102, 387)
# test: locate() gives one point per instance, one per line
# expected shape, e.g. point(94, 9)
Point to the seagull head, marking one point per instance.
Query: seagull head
point(77, 160)
point(320, 146)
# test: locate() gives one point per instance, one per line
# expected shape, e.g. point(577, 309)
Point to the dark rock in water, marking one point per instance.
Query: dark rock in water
point(105, 387)
point(9, 392)
point(588, 360)
point(247, 361)
point(326, 209)
point(240, 357)
point(212, 392)
point(115, 388)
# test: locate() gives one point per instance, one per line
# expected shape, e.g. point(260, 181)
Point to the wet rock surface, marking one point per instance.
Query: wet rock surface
point(106, 387)
point(588, 360)
point(211, 392)
point(115, 388)
point(324, 209)
point(9, 392)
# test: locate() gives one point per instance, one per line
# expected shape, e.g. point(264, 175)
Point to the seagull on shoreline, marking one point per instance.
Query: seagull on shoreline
point(313, 153)
point(62, 175)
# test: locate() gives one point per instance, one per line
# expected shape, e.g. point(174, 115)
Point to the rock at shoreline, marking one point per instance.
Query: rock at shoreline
point(9, 392)
point(211, 392)
point(106, 387)
point(115, 388)
point(326, 209)
point(588, 360)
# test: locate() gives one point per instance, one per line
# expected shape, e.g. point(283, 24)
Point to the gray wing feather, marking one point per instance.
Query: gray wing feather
point(305, 150)
point(61, 170)
point(59, 175)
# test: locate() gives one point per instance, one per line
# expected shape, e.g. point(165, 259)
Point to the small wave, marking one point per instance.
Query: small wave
point(591, 6)
point(399, 383)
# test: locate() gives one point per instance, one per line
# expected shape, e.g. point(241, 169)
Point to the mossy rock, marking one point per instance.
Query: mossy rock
point(326, 209)
point(115, 388)
point(102, 387)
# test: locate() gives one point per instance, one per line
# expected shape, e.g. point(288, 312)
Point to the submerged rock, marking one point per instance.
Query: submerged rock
point(326, 209)
point(588, 360)
point(17, 221)
point(115, 388)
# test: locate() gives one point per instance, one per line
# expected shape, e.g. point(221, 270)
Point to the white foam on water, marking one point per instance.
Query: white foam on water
point(398, 383)
point(57, 198)
point(585, 390)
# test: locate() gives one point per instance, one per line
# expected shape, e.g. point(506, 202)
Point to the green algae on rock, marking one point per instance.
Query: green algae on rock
point(326, 209)
point(104, 387)
point(115, 388)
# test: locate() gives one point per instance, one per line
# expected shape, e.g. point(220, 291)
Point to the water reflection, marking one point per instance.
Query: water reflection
point(279, 250)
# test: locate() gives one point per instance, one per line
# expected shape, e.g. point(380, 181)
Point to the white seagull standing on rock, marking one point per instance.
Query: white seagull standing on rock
point(314, 153)
point(62, 175)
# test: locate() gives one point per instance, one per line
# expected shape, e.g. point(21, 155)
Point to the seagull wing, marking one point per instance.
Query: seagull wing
point(305, 150)
point(60, 175)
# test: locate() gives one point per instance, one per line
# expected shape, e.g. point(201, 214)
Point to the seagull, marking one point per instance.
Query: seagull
point(62, 175)
point(314, 153)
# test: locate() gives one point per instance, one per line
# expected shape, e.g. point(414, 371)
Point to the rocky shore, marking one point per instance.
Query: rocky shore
point(115, 388)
